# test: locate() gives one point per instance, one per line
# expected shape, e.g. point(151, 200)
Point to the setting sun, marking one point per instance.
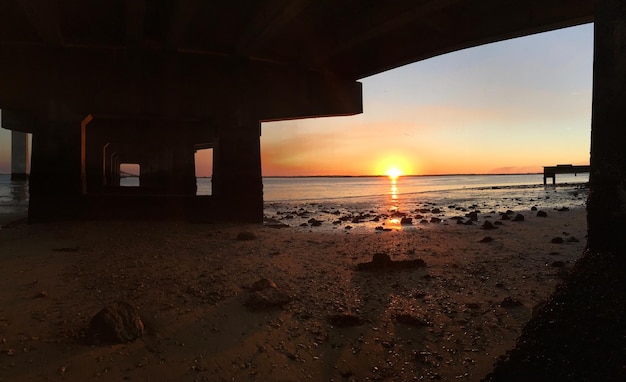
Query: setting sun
point(394, 172)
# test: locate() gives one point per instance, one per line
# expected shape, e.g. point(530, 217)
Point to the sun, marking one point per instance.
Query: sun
point(394, 173)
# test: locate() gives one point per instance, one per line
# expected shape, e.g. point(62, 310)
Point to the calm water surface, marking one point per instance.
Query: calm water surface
point(377, 192)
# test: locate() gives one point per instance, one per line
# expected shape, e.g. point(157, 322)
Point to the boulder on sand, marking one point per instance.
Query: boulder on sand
point(116, 323)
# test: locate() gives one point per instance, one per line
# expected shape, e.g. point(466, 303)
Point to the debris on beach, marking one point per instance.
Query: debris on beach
point(382, 261)
point(245, 236)
point(116, 323)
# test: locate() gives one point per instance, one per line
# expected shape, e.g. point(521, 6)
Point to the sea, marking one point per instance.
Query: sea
point(359, 195)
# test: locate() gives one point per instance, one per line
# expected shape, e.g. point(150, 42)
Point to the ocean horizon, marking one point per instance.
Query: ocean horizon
point(355, 194)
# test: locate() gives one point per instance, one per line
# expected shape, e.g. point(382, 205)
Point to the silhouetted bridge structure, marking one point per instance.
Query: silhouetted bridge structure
point(99, 84)
point(551, 171)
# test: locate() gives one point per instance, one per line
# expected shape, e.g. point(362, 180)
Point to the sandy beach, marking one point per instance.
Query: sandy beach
point(192, 285)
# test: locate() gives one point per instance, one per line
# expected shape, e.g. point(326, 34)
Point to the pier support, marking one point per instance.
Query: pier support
point(20, 156)
point(237, 182)
point(55, 185)
point(607, 197)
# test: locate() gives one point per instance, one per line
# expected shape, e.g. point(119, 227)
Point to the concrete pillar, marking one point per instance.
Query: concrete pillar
point(237, 182)
point(606, 207)
point(20, 156)
point(183, 180)
point(55, 179)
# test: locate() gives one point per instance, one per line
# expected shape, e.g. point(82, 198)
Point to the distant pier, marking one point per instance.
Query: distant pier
point(551, 171)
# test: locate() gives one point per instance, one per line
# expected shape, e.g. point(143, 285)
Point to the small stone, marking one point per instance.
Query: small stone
point(488, 225)
point(411, 319)
point(518, 218)
point(510, 302)
point(244, 236)
point(557, 240)
point(262, 284)
point(542, 214)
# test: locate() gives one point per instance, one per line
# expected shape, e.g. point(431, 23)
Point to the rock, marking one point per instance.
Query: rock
point(244, 236)
point(488, 225)
point(277, 225)
point(472, 215)
point(314, 222)
point(486, 239)
point(381, 259)
point(557, 264)
point(542, 214)
point(267, 299)
point(510, 302)
point(406, 221)
point(435, 220)
point(411, 319)
point(557, 240)
point(518, 218)
point(382, 262)
point(262, 284)
point(265, 294)
point(504, 217)
point(117, 323)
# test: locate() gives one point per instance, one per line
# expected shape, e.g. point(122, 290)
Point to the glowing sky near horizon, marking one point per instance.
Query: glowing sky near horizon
point(507, 107)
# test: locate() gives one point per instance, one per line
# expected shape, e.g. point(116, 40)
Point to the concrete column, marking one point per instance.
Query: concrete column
point(183, 170)
point(237, 182)
point(55, 180)
point(607, 198)
point(20, 155)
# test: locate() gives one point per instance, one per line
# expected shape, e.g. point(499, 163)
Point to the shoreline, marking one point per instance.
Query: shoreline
point(191, 283)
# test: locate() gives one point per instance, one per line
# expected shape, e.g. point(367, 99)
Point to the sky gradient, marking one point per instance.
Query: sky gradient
point(508, 107)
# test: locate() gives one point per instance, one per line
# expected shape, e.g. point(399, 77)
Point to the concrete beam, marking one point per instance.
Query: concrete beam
point(162, 85)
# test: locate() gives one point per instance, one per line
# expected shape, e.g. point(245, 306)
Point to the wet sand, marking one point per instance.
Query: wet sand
point(191, 285)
